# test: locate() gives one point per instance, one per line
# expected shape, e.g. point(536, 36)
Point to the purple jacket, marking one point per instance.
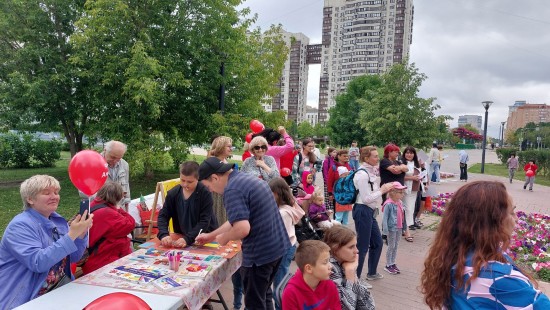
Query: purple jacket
point(314, 210)
point(327, 163)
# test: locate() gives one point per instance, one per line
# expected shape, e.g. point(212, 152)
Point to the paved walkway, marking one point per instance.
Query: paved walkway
point(401, 291)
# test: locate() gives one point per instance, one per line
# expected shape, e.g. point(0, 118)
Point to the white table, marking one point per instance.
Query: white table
point(77, 296)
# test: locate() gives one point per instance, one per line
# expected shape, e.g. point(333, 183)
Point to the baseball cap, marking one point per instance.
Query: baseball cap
point(397, 185)
point(212, 165)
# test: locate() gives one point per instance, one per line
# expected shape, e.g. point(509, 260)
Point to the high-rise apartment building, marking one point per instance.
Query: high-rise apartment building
point(360, 37)
point(473, 120)
point(292, 97)
point(311, 115)
point(522, 113)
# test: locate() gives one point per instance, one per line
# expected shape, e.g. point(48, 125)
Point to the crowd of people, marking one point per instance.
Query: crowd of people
point(218, 201)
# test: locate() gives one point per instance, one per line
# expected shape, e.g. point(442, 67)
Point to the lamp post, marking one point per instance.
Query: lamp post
point(502, 137)
point(486, 105)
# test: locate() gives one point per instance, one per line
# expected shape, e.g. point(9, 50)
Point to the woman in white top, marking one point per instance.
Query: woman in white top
point(365, 209)
point(412, 182)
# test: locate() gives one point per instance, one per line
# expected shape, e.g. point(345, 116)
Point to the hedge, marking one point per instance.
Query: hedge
point(26, 151)
point(541, 158)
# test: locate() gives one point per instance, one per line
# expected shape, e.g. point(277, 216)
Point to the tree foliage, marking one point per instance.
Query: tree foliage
point(344, 123)
point(133, 70)
point(393, 112)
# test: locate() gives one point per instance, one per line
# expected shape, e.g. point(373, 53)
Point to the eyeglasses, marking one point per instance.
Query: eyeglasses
point(258, 147)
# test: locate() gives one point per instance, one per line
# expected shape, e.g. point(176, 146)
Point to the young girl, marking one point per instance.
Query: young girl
point(318, 212)
point(392, 224)
point(291, 213)
point(307, 182)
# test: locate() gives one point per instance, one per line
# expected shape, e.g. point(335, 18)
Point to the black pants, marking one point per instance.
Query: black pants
point(257, 282)
point(464, 171)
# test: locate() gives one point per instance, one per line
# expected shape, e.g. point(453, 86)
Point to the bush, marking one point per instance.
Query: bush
point(504, 153)
point(26, 151)
point(179, 153)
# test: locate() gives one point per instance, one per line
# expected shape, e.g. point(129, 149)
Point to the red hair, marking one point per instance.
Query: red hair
point(390, 148)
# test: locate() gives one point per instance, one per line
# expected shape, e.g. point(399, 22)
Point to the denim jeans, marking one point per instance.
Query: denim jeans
point(354, 164)
point(369, 238)
point(237, 281)
point(257, 282)
point(283, 269)
point(434, 169)
point(342, 217)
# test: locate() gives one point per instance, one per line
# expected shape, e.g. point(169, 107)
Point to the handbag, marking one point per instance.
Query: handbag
point(415, 184)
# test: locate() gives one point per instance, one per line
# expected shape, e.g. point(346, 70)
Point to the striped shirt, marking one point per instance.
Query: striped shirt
point(248, 198)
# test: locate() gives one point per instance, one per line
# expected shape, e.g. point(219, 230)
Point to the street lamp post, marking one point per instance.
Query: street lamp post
point(502, 137)
point(486, 105)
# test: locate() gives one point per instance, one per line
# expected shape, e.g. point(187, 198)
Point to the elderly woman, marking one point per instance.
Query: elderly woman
point(38, 245)
point(354, 294)
point(109, 236)
point(467, 266)
point(275, 149)
point(259, 164)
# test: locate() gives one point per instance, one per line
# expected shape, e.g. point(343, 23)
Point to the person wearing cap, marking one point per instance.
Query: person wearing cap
point(253, 216)
point(392, 224)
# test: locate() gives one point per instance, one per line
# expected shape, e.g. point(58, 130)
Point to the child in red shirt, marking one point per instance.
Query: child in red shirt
point(530, 176)
point(311, 286)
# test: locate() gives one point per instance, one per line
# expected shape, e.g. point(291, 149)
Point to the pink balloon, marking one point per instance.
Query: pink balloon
point(285, 172)
point(248, 137)
point(88, 171)
point(256, 126)
point(530, 173)
point(118, 301)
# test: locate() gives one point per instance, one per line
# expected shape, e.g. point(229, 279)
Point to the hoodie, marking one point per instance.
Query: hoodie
point(298, 295)
point(291, 216)
point(308, 188)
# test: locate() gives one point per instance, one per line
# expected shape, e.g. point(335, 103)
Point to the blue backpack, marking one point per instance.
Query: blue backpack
point(344, 190)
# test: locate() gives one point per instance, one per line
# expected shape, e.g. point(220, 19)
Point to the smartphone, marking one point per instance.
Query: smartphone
point(84, 205)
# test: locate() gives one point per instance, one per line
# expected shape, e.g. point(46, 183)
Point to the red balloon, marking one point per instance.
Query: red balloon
point(256, 126)
point(285, 172)
point(248, 137)
point(88, 171)
point(530, 173)
point(118, 301)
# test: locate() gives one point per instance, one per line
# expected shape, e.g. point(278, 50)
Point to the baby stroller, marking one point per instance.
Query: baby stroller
point(305, 230)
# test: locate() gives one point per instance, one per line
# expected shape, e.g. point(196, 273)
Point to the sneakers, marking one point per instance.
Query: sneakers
point(524, 186)
point(418, 223)
point(390, 269)
point(368, 286)
point(395, 268)
point(412, 227)
point(374, 276)
point(530, 189)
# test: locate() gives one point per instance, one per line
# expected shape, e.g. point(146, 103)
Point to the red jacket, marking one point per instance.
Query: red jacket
point(114, 225)
point(530, 167)
point(333, 176)
point(288, 159)
point(298, 295)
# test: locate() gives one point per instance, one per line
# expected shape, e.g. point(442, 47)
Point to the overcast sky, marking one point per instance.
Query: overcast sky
point(471, 50)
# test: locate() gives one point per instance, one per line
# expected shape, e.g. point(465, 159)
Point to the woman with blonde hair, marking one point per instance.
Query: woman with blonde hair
point(259, 164)
point(222, 148)
point(467, 266)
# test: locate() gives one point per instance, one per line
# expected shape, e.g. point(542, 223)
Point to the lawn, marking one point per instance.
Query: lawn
point(502, 171)
point(11, 179)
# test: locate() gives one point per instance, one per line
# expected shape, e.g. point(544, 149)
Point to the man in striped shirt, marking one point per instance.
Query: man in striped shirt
point(253, 216)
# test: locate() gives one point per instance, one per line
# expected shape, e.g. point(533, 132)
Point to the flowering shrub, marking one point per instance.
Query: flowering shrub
point(439, 203)
point(531, 241)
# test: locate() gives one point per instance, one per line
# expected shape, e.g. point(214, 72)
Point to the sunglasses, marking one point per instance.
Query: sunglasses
point(258, 147)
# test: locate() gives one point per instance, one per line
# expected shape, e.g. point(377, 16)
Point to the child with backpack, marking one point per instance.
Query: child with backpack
point(392, 224)
point(318, 213)
point(340, 170)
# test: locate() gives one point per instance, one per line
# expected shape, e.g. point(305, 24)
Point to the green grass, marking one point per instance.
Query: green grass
point(502, 171)
point(11, 179)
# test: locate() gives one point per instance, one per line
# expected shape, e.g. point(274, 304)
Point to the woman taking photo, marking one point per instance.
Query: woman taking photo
point(38, 245)
point(467, 266)
point(259, 164)
point(354, 294)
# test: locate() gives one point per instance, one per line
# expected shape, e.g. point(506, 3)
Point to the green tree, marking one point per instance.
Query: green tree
point(305, 130)
point(133, 70)
point(344, 125)
point(394, 113)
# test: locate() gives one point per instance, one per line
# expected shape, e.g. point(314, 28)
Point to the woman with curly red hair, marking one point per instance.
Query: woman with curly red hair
point(467, 266)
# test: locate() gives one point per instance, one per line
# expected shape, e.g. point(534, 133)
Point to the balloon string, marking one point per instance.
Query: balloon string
point(89, 208)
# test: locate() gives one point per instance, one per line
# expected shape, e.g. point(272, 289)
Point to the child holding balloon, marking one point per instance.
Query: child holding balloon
point(530, 172)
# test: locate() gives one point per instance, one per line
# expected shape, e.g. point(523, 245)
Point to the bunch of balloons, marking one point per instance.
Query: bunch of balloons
point(256, 126)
